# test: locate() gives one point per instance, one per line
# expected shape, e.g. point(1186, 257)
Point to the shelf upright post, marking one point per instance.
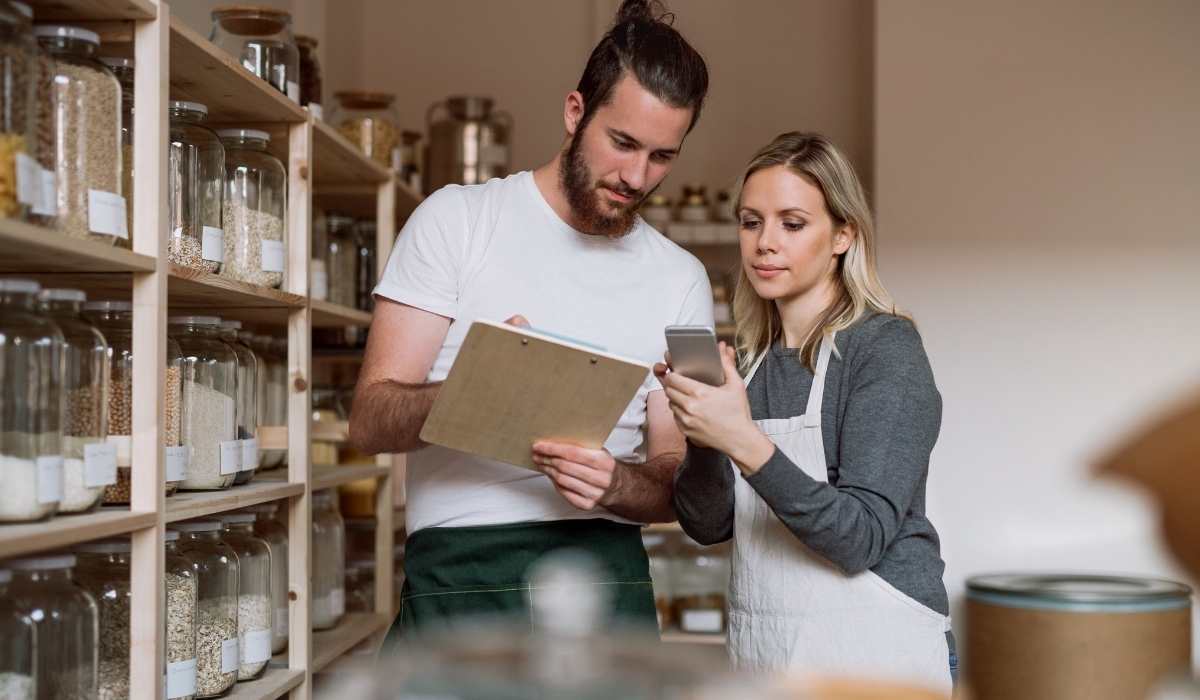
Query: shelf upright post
point(385, 487)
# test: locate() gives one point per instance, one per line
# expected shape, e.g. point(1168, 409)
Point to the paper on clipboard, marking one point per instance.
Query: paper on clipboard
point(510, 387)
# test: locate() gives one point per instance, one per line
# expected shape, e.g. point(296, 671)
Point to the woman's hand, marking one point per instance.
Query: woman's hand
point(717, 416)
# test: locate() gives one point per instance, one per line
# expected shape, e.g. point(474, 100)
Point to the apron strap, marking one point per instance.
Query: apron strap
point(812, 412)
point(754, 368)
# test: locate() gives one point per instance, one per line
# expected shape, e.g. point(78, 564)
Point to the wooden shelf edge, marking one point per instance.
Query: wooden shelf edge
point(329, 315)
point(329, 137)
point(692, 638)
point(68, 254)
point(328, 477)
point(275, 683)
point(64, 530)
point(68, 10)
point(186, 505)
point(239, 293)
point(329, 645)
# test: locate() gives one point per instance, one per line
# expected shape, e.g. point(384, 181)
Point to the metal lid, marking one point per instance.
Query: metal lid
point(108, 306)
point(198, 526)
point(235, 325)
point(117, 546)
point(64, 31)
point(117, 62)
point(658, 200)
point(194, 321)
point(63, 295)
point(244, 134)
point(1076, 591)
point(237, 518)
point(189, 106)
point(19, 286)
point(62, 561)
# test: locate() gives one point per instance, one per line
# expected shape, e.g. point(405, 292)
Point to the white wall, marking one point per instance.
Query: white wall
point(1037, 192)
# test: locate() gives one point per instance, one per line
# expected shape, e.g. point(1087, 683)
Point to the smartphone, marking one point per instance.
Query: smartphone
point(694, 353)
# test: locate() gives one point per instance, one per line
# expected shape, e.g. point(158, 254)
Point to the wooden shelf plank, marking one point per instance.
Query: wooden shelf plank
point(195, 289)
point(354, 628)
point(336, 161)
point(31, 249)
point(330, 477)
point(329, 315)
point(64, 530)
point(64, 10)
point(690, 638)
point(275, 683)
point(185, 505)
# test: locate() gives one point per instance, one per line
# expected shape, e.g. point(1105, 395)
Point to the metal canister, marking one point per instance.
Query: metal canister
point(1074, 636)
point(470, 145)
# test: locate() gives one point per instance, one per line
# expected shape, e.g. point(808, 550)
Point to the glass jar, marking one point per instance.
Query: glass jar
point(369, 120)
point(275, 534)
point(695, 208)
point(65, 625)
point(261, 39)
point(217, 577)
point(273, 402)
point(254, 593)
point(208, 418)
point(45, 211)
point(660, 574)
point(277, 385)
point(310, 75)
point(87, 110)
point(122, 68)
point(20, 175)
point(329, 561)
point(103, 571)
point(411, 159)
point(360, 585)
point(182, 590)
point(360, 538)
point(341, 259)
point(657, 212)
point(700, 578)
point(195, 189)
point(246, 415)
point(114, 319)
point(19, 650)
point(318, 287)
point(89, 462)
point(31, 406)
point(254, 209)
point(364, 276)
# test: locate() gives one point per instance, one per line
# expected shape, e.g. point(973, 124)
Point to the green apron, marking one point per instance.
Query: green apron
point(457, 572)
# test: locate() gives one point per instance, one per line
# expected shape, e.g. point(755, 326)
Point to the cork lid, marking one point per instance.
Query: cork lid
point(364, 99)
point(251, 20)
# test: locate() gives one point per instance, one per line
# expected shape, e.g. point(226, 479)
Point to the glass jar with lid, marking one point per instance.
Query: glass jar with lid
point(254, 209)
point(700, 578)
point(89, 462)
point(114, 319)
point(182, 587)
point(364, 275)
point(208, 416)
point(360, 537)
point(277, 385)
point(65, 625)
point(341, 259)
point(87, 111)
point(274, 533)
point(103, 571)
point(217, 578)
point(31, 406)
point(254, 593)
point(659, 554)
point(318, 287)
point(195, 189)
point(261, 39)
point(360, 585)
point(310, 75)
point(694, 209)
point(657, 212)
point(18, 654)
point(122, 68)
point(20, 175)
point(368, 120)
point(272, 404)
point(411, 159)
point(329, 560)
point(246, 415)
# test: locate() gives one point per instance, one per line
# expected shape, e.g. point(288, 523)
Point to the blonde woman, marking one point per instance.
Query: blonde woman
point(836, 569)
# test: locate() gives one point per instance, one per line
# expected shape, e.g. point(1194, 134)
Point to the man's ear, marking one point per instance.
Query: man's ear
point(573, 112)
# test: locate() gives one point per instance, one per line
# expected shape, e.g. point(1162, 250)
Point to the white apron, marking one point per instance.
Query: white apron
point(789, 608)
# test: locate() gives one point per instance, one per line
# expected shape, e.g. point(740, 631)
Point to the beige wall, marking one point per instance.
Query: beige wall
point(1037, 193)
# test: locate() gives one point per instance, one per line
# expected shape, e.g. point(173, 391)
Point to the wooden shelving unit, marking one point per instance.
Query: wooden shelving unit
point(174, 62)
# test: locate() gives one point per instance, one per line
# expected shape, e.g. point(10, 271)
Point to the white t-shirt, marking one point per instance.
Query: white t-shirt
point(496, 250)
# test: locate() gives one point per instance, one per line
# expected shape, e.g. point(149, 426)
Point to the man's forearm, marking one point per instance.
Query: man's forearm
point(387, 416)
point(643, 492)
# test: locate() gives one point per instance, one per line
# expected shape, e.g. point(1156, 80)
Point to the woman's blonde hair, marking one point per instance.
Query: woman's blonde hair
point(814, 158)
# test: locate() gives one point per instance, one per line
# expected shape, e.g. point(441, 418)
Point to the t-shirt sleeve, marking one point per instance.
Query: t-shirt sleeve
point(424, 266)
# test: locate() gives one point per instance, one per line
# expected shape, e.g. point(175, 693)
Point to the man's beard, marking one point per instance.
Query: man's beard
point(583, 195)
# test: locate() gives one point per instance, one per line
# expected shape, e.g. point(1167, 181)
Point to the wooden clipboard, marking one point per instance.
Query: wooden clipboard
point(510, 387)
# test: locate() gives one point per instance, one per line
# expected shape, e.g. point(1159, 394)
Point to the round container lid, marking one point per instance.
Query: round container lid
point(62, 295)
point(5, 575)
point(194, 321)
point(189, 106)
point(19, 286)
point(236, 325)
point(105, 547)
point(23, 8)
point(362, 99)
point(117, 62)
point(1075, 591)
point(62, 561)
point(244, 134)
point(198, 526)
point(170, 535)
point(228, 518)
point(64, 31)
point(108, 306)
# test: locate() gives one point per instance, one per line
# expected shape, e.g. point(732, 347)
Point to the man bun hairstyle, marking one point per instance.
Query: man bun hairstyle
point(644, 42)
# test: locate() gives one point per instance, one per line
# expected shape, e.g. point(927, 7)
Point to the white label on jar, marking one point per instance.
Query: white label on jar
point(181, 679)
point(281, 622)
point(50, 479)
point(229, 655)
point(99, 464)
point(29, 180)
point(106, 214)
point(272, 256)
point(177, 463)
point(124, 445)
point(258, 646)
point(212, 244)
point(293, 91)
point(337, 601)
point(49, 191)
point(231, 457)
point(316, 110)
point(708, 621)
point(249, 454)
point(320, 283)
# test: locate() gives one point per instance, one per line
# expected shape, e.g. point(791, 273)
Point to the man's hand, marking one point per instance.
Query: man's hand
point(585, 478)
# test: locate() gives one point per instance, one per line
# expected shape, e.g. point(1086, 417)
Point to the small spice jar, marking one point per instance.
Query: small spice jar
point(103, 571)
point(254, 207)
point(329, 560)
point(261, 39)
point(182, 584)
point(310, 75)
point(254, 593)
point(89, 462)
point(19, 651)
point(20, 174)
point(700, 576)
point(66, 624)
point(208, 418)
point(695, 208)
point(368, 120)
point(87, 110)
point(246, 415)
point(657, 212)
point(274, 533)
point(217, 577)
point(31, 363)
point(341, 259)
point(318, 287)
point(122, 68)
point(195, 189)
point(360, 585)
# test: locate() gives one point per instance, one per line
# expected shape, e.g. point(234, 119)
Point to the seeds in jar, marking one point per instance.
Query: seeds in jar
point(254, 633)
point(83, 412)
point(88, 111)
point(114, 648)
point(181, 620)
point(187, 251)
point(245, 231)
point(10, 146)
point(120, 404)
point(216, 622)
point(207, 420)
